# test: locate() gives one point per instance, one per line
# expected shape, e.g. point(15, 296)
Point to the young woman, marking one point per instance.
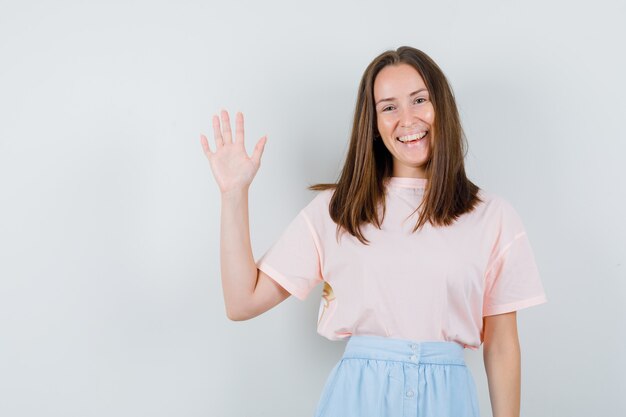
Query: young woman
point(417, 262)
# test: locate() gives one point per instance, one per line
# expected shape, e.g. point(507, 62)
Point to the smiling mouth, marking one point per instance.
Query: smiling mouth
point(412, 138)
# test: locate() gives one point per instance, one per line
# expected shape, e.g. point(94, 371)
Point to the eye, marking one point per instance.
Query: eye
point(420, 98)
point(387, 108)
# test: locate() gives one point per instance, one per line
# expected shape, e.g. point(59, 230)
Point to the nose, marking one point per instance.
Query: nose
point(407, 118)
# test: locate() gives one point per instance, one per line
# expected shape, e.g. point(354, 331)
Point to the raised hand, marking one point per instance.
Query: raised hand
point(232, 168)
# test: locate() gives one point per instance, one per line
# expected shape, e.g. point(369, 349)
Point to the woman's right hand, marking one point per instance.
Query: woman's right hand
point(232, 168)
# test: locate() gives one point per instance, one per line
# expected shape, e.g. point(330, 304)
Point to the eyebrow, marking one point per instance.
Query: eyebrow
point(393, 98)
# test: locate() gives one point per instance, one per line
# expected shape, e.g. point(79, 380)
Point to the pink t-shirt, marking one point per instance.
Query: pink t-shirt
point(436, 284)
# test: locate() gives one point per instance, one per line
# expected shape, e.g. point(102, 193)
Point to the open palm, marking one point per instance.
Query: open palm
point(232, 167)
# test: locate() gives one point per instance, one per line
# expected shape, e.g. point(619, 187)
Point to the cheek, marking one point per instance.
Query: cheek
point(383, 125)
point(429, 114)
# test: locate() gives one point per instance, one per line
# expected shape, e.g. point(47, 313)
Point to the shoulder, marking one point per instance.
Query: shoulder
point(319, 202)
point(316, 212)
point(499, 211)
point(494, 202)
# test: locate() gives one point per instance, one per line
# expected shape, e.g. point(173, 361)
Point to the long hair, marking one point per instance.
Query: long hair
point(359, 192)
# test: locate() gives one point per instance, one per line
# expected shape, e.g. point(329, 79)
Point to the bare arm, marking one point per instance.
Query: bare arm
point(501, 354)
point(248, 292)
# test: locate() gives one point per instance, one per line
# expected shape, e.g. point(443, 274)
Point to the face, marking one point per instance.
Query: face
point(405, 117)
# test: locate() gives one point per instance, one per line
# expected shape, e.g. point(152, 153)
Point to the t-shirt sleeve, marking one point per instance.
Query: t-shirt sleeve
point(293, 261)
point(512, 279)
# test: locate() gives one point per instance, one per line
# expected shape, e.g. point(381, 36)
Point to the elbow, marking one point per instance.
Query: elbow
point(237, 315)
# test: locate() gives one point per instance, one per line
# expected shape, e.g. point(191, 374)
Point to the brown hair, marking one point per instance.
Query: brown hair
point(360, 189)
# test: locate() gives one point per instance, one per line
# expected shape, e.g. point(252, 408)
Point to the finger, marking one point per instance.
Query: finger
point(217, 132)
point(239, 128)
point(258, 150)
point(205, 145)
point(226, 132)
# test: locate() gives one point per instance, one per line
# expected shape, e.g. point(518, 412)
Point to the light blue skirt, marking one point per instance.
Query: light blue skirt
point(384, 377)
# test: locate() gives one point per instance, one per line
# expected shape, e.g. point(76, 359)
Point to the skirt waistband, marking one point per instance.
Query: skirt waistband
point(403, 350)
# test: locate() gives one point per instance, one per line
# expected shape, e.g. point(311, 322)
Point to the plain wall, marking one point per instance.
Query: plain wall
point(110, 291)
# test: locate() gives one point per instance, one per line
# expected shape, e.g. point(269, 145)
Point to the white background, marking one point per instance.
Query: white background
point(110, 294)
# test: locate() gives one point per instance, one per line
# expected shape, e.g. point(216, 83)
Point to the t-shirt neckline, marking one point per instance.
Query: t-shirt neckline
point(407, 182)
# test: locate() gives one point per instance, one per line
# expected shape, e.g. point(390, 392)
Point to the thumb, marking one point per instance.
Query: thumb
point(258, 149)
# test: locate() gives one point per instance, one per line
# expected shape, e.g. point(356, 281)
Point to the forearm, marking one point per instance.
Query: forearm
point(238, 269)
point(502, 365)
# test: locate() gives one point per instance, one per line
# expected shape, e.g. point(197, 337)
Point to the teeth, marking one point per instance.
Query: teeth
point(412, 137)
